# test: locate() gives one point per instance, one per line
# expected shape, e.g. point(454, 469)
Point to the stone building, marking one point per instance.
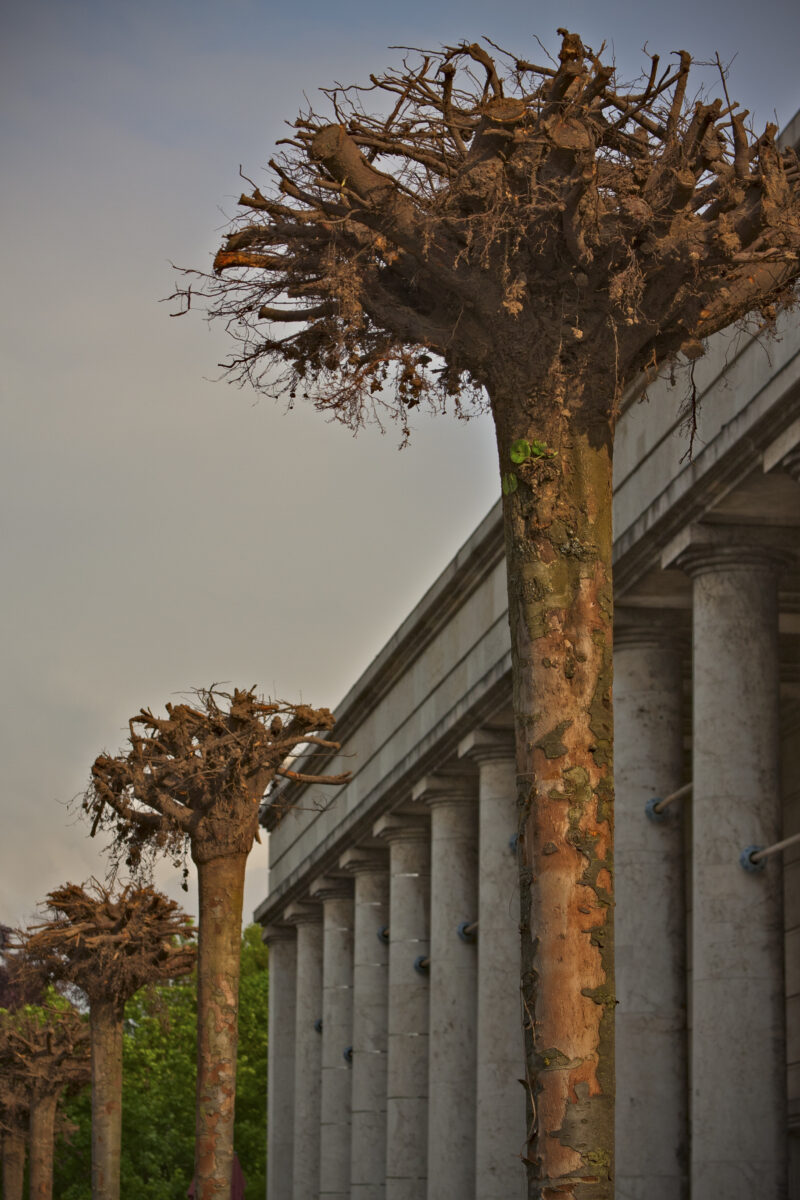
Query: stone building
point(395, 1045)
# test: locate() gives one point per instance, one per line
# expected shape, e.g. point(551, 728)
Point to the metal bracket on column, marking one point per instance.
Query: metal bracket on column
point(422, 964)
point(318, 1025)
point(656, 805)
point(652, 809)
point(468, 932)
point(748, 862)
point(347, 1054)
point(383, 934)
point(752, 857)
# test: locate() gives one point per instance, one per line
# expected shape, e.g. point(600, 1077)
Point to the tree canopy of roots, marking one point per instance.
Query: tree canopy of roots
point(198, 775)
point(468, 217)
point(109, 944)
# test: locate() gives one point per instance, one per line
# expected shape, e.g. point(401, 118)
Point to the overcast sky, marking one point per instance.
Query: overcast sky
point(161, 529)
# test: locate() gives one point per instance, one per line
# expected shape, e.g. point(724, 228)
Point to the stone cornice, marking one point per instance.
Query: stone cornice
point(716, 470)
point(476, 559)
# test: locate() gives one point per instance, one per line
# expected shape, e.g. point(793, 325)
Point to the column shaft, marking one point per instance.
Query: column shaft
point(650, 921)
point(738, 1101)
point(453, 1000)
point(308, 1062)
point(281, 1061)
point(407, 1064)
point(337, 1036)
point(500, 1100)
point(370, 1035)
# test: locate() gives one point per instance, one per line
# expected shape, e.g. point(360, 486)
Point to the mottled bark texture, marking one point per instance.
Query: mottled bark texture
point(472, 225)
point(13, 1164)
point(558, 555)
point(221, 894)
point(109, 944)
point(195, 779)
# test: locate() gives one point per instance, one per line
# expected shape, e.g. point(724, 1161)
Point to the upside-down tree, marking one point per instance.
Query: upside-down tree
point(471, 225)
point(109, 945)
point(43, 1050)
point(197, 777)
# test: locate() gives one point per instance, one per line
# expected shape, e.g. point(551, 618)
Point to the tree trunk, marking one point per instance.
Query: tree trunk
point(221, 895)
point(557, 517)
point(42, 1132)
point(13, 1164)
point(106, 1037)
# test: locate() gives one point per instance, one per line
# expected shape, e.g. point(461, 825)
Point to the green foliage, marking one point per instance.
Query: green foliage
point(158, 1091)
point(522, 451)
point(510, 483)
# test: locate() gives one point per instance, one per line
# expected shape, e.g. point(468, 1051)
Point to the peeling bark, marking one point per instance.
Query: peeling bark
point(558, 551)
point(106, 1040)
point(13, 1165)
point(43, 1120)
point(221, 896)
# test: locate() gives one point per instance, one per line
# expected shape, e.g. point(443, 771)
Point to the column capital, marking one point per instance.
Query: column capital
point(483, 745)
point(457, 787)
point(331, 887)
point(402, 827)
point(702, 548)
point(277, 933)
point(643, 627)
point(302, 913)
point(364, 860)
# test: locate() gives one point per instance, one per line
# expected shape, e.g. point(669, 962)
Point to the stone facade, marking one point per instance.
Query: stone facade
point(395, 1044)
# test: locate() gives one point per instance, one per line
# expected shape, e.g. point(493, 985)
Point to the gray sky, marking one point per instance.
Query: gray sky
point(161, 529)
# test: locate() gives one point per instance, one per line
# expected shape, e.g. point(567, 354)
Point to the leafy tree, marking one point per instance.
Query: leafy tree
point(197, 777)
point(474, 225)
point(159, 1077)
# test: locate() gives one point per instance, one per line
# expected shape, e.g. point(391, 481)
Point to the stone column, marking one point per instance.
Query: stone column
point(453, 984)
point(500, 1100)
point(337, 1035)
point(308, 1050)
point(407, 1064)
point(370, 1014)
point(738, 1063)
point(282, 942)
point(650, 913)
